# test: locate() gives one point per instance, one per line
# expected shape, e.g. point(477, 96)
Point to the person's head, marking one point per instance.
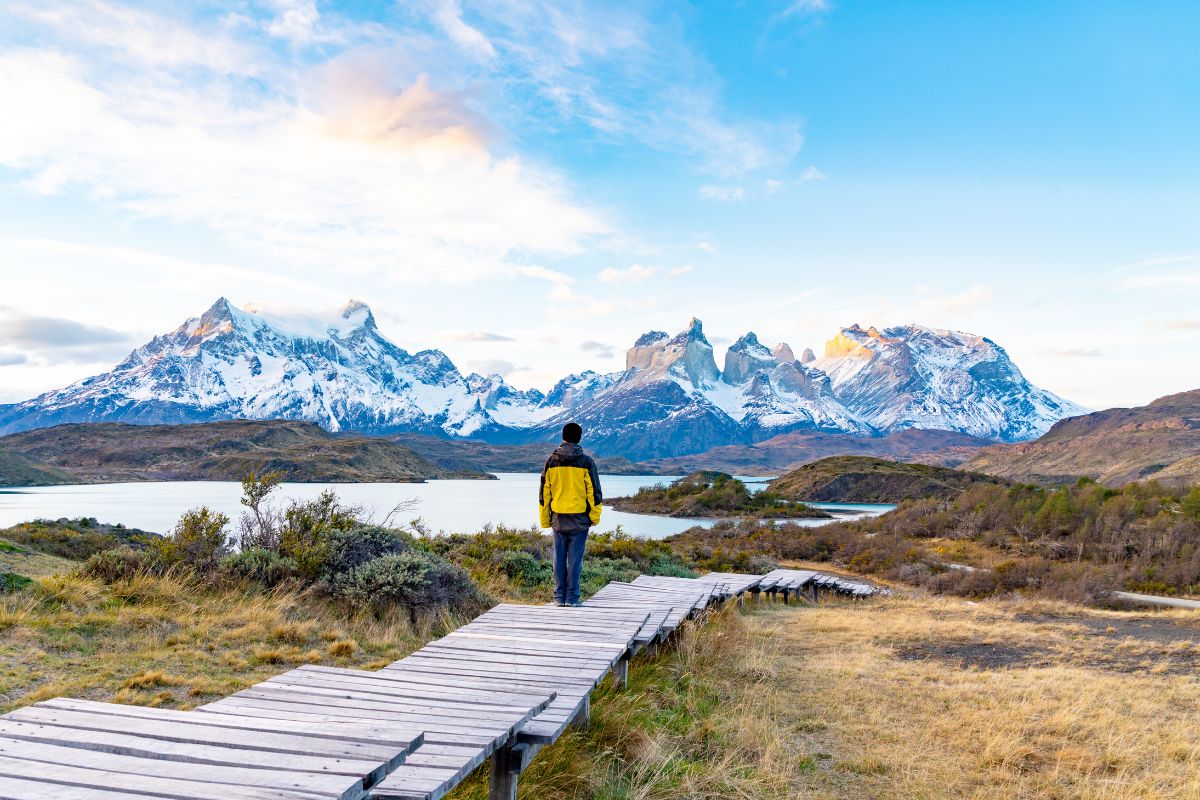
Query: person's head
point(572, 433)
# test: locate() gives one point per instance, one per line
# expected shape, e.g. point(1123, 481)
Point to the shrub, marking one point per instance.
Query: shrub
point(199, 541)
point(416, 580)
point(349, 549)
point(302, 535)
point(259, 564)
point(524, 569)
point(119, 564)
point(12, 582)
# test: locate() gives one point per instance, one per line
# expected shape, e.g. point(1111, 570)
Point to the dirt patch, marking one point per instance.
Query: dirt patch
point(973, 655)
point(1145, 628)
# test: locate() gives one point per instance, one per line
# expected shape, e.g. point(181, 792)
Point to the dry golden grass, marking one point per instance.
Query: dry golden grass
point(168, 641)
point(908, 697)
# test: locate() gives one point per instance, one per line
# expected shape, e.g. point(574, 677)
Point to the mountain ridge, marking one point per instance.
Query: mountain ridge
point(671, 399)
point(1160, 440)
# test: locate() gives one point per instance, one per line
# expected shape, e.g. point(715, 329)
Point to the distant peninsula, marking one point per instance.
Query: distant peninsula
point(112, 452)
point(713, 494)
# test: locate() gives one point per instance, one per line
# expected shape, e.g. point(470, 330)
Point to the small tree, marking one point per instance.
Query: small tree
point(259, 525)
point(199, 541)
point(302, 535)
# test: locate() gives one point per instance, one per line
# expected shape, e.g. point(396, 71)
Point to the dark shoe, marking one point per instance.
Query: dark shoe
point(559, 603)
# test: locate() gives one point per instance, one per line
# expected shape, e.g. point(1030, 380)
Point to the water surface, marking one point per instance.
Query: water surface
point(451, 505)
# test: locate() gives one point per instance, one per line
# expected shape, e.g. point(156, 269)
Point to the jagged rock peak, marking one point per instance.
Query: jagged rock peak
point(650, 337)
point(693, 333)
point(808, 356)
point(783, 353)
point(745, 358)
point(747, 342)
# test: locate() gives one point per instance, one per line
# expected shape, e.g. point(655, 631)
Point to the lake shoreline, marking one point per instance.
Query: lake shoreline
point(442, 505)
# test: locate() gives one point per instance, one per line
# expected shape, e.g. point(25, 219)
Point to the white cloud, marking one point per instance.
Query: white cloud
point(724, 194)
point(496, 366)
point(295, 20)
point(772, 185)
point(338, 166)
point(475, 336)
point(12, 359)
point(812, 174)
point(967, 300)
point(676, 272)
point(806, 7)
point(599, 349)
point(706, 245)
point(448, 16)
point(633, 274)
point(1073, 352)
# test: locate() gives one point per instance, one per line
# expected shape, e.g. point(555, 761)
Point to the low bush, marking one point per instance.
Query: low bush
point(346, 550)
point(12, 582)
point(416, 580)
point(119, 564)
point(76, 539)
point(259, 564)
point(199, 542)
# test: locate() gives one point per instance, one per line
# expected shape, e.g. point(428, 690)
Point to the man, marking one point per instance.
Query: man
point(569, 498)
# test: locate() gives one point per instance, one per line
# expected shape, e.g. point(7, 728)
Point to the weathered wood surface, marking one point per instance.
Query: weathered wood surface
point(72, 747)
point(502, 686)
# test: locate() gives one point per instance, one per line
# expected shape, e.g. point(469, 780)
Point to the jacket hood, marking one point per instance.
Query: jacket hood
point(567, 449)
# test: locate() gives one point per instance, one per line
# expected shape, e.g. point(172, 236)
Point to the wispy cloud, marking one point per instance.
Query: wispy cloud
point(599, 349)
point(676, 272)
point(12, 359)
point(1179, 269)
point(812, 174)
point(968, 300)
point(724, 194)
point(352, 159)
point(54, 340)
point(623, 75)
point(1184, 325)
point(1073, 352)
point(496, 366)
point(476, 336)
point(633, 274)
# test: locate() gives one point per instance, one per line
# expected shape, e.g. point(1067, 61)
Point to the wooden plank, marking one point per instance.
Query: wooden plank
point(576, 643)
point(20, 789)
point(381, 690)
point(151, 748)
point(249, 708)
point(172, 788)
point(339, 786)
point(405, 740)
point(391, 703)
point(189, 733)
point(526, 696)
point(333, 705)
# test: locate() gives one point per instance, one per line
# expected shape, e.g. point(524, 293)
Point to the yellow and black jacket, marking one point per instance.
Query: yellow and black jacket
point(569, 494)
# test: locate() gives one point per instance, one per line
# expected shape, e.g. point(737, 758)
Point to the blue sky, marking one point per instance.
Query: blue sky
point(529, 186)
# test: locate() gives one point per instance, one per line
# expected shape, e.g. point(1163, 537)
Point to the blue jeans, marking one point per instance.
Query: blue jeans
point(568, 564)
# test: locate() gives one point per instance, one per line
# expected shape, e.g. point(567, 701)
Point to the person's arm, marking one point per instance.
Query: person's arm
point(544, 498)
point(597, 498)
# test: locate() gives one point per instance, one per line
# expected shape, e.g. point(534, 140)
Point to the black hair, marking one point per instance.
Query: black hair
point(572, 433)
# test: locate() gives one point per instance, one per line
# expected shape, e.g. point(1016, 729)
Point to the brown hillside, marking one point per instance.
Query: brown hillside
point(109, 452)
point(1116, 446)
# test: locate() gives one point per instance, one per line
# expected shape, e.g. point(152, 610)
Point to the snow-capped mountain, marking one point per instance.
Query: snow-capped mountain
point(671, 399)
point(917, 377)
point(337, 371)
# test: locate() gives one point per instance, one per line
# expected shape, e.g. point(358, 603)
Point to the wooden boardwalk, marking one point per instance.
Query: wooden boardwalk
point(501, 687)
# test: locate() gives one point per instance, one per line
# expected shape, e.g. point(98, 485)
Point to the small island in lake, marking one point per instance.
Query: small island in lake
point(713, 494)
